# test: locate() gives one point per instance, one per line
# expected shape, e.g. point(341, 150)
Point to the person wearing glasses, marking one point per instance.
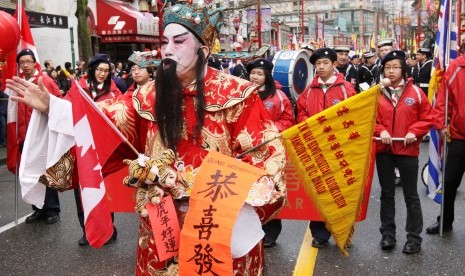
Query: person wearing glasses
point(98, 83)
point(99, 86)
point(50, 211)
point(403, 112)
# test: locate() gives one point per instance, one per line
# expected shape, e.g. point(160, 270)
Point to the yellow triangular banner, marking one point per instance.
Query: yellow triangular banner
point(332, 153)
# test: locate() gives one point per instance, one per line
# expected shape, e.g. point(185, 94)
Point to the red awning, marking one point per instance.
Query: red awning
point(120, 22)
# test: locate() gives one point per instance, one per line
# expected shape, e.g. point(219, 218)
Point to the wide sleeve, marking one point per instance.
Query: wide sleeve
point(121, 112)
point(252, 127)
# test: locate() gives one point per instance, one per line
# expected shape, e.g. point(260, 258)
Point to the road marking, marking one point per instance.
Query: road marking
point(13, 224)
point(305, 263)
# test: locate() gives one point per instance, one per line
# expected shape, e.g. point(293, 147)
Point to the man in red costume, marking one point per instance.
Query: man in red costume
point(192, 109)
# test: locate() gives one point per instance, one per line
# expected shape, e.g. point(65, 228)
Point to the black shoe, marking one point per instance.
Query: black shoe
point(319, 243)
point(387, 242)
point(113, 236)
point(83, 241)
point(411, 247)
point(36, 216)
point(269, 242)
point(52, 218)
point(434, 229)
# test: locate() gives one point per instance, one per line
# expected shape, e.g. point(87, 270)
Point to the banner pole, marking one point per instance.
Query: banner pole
point(19, 14)
point(446, 64)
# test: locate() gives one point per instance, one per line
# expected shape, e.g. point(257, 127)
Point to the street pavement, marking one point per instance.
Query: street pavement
point(41, 249)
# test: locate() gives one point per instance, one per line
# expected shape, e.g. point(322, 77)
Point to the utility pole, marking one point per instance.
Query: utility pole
point(302, 30)
point(419, 23)
point(259, 25)
point(316, 27)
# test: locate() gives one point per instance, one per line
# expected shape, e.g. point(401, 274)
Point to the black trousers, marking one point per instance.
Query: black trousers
point(273, 228)
point(51, 202)
point(455, 167)
point(319, 231)
point(408, 169)
point(80, 211)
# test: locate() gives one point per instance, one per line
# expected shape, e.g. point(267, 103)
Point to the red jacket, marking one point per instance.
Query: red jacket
point(412, 114)
point(114, 91)
point(280, 109)
point(453, 84)
point(313, 100)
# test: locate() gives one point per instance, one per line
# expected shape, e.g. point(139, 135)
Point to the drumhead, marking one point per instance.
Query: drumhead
point(293, 70)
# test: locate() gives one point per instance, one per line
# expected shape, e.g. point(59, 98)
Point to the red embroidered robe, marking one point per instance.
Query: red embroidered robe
point(235, 120)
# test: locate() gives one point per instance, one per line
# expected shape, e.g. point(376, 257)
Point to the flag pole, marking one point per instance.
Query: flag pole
point(446, 64)
point(20, 20)
point(259, 145)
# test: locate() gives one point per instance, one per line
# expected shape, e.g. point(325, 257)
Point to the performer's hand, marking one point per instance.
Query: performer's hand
point(35, 96)
point(385, 137)
point(409, 138)
point(444, 133)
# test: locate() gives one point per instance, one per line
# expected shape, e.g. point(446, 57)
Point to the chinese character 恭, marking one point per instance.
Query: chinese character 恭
point(220, 188)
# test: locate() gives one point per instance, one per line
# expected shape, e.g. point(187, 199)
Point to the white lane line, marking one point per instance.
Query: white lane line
point(13, 224)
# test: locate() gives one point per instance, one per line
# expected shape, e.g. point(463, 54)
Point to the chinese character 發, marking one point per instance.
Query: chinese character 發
point(220, 188)
point(204, 260)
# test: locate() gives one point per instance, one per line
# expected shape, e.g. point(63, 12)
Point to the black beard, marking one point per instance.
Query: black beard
point(168, 103)
point(169, 100)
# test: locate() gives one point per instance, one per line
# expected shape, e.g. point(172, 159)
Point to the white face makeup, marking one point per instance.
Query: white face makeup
point(180, 45)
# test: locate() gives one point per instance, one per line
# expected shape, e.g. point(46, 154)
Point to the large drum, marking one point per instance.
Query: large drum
point(294, 71)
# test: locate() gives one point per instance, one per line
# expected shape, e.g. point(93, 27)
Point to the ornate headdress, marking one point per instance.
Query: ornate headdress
point(202, 20)
point(145, 59)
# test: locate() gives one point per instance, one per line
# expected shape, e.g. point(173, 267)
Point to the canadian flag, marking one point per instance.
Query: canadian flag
point(14, 110)
point(96, 140)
